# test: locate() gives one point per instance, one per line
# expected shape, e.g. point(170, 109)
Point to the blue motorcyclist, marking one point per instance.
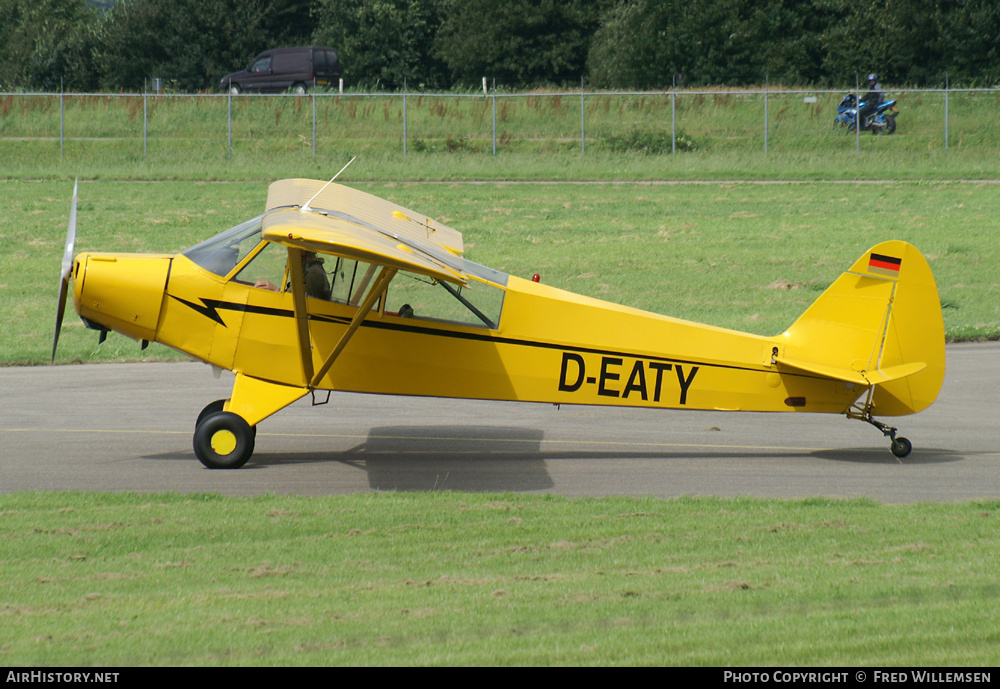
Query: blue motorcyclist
point(872, 99)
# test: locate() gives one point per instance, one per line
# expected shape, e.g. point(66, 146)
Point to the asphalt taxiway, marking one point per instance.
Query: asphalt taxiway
point(128, 427)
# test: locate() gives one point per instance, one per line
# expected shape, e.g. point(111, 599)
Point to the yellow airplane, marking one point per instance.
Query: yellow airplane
point(335, 289)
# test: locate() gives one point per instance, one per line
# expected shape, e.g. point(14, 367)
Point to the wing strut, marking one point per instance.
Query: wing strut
point(384, 277)
point(301, 316)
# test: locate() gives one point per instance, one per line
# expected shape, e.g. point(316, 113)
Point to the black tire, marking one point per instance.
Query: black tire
point(890, 124)
point(901, 447)
point(223, 440)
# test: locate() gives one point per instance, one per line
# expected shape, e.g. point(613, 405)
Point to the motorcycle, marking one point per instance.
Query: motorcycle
point(882, 121)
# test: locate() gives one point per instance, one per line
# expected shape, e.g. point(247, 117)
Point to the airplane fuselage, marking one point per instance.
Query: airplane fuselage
point(549, 345)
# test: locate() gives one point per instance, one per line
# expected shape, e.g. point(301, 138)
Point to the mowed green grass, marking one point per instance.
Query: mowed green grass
point(113, 580)
point(745, 256)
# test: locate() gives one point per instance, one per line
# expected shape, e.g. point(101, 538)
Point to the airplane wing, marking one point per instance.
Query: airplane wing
point(335, 219)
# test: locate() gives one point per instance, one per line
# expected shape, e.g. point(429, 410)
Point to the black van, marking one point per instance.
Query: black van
point(284, 69)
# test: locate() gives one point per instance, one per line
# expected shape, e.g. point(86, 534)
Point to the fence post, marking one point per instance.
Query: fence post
point(314, 116)
point(404, 117)
point(230, 118)
point(583, 127)
point(673, 116)
point(765, 111)
point(494, 117)
point(145, 121)
point(62, 121)
point(946, 112)
point(857, 114)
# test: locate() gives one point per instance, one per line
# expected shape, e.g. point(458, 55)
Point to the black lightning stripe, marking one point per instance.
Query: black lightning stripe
point(210, 309)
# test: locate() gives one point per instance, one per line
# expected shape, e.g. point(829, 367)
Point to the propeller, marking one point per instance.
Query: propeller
point(67, 266)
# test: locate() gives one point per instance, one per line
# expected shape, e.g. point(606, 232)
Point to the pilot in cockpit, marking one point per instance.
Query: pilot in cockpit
point(316, 283)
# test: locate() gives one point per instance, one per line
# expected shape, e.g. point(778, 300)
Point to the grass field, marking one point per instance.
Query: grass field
point(112, 580)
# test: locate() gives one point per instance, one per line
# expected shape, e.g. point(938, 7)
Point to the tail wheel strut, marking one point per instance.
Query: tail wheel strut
point(899, 446)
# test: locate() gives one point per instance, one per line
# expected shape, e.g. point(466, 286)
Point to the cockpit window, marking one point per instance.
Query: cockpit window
point(350, 280)
point(224, 251)
point(417, 296)
point(267, 269)
point(347, 281)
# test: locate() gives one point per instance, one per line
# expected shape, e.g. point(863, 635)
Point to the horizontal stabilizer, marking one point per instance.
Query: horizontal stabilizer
point(884, 375)
point(851, 376)
point(825, 370)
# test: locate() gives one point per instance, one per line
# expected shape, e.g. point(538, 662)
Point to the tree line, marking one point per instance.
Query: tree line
point(118, 45)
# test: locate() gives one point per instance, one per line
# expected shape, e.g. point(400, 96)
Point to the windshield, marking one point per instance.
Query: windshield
point(224, 251)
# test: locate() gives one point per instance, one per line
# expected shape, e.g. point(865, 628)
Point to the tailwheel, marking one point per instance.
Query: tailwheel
point(223, 440)
point(901, 447)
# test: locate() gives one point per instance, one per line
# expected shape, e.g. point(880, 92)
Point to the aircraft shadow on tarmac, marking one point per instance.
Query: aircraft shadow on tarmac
point(497, 458)
point(882, 456)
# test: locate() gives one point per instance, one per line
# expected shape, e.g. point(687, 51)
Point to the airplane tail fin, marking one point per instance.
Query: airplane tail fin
point(878, 324)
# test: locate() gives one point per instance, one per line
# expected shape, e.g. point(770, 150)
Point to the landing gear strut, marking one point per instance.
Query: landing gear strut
point(900, 446)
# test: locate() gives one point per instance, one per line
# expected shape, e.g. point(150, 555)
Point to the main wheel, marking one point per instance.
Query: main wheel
point(901, 447)
point(234, 89)
point(223, 440)
point(299, 89)
point(890, 124)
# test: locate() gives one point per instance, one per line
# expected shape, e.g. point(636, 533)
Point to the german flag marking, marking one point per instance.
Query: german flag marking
point(884, 265)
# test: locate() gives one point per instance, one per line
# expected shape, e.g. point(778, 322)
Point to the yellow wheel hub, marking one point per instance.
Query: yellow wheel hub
point(223, 442)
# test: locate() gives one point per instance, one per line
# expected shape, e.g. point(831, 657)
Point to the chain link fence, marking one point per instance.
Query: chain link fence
point(490, 123)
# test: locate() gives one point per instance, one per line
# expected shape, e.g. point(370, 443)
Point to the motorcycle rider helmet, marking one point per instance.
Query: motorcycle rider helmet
point(872, 77)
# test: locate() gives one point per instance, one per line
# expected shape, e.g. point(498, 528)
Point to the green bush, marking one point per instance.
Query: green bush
point(650, 142)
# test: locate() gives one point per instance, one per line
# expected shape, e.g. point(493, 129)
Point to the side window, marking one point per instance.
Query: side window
point(350, 279)
point(267, 269)
point(416, 296)
point(261, 65)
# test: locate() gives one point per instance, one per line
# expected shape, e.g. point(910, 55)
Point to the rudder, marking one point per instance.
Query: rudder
point(880, 320)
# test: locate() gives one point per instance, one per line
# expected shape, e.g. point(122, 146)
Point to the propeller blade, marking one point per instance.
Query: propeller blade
point(67, 266)
point(63, 290)
point(67, 262)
